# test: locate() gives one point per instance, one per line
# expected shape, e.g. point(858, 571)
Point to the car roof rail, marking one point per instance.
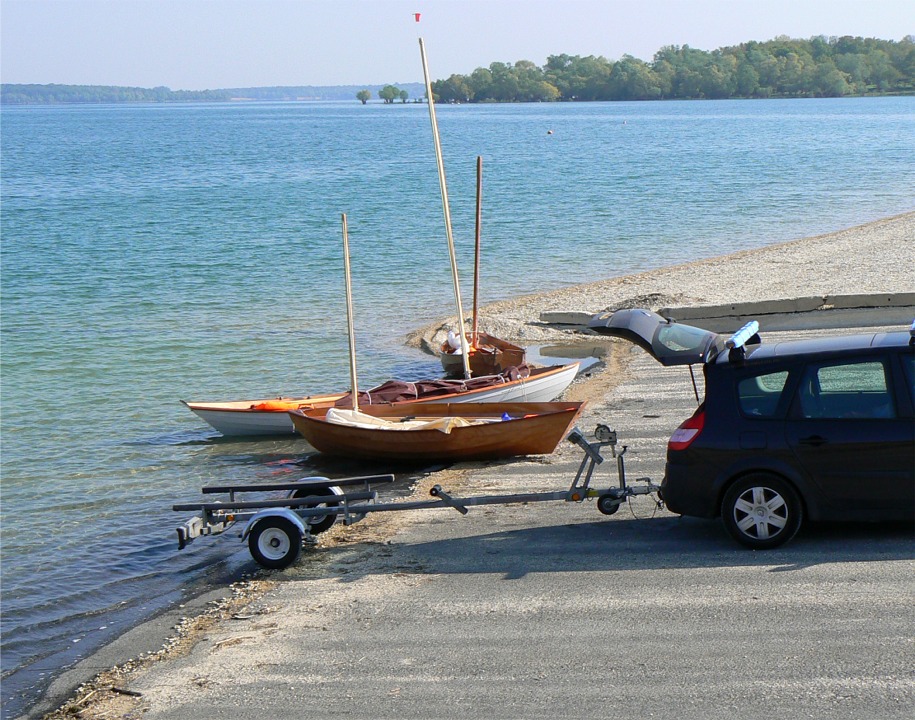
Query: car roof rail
point(736, 344)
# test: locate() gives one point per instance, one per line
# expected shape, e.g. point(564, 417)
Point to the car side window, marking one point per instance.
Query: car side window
point(759, 395)
point(848, 390)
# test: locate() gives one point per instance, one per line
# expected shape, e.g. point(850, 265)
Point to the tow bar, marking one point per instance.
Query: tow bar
point(276, 528)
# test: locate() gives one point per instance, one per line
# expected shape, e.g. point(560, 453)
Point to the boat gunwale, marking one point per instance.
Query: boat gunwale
point(543, 373)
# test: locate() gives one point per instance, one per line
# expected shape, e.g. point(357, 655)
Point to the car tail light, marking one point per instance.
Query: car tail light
point(687, 432)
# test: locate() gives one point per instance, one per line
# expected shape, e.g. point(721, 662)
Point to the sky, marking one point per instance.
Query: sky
point(213, 44)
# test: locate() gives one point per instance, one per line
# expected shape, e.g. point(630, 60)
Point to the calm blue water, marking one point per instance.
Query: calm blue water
point(151, 253)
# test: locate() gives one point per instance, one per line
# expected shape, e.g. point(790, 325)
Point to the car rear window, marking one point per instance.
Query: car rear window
point(759, 395)
point(850, 390)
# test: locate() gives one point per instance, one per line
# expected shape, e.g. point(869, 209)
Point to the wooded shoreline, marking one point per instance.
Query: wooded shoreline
point(778, 68)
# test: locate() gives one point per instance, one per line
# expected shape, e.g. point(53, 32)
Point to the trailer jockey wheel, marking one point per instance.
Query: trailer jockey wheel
point(319, 523)
point(608, 504)
point(275, 542)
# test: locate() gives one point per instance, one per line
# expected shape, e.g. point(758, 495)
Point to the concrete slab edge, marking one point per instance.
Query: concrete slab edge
point(829, 311)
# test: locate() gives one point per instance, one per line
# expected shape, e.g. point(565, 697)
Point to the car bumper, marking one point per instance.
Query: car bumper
point(688, 491)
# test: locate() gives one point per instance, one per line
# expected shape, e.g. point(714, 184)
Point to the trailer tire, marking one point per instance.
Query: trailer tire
point(608, 504)
point(275, 543)
point(319, 523)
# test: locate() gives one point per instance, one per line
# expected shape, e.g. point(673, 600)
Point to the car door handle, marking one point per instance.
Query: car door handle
point(815, 440)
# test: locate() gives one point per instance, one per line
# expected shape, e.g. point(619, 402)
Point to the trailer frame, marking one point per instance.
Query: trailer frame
point(277, 528)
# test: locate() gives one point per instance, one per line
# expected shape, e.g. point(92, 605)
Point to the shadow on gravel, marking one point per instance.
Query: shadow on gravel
point(642, 544)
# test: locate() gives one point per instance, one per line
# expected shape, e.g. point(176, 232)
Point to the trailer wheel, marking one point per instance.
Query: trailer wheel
point(761, 511)
point(275, 542)
point(608, 504)
point(319, 523)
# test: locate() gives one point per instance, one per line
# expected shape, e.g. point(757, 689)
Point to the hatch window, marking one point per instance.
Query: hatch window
point(682, 338)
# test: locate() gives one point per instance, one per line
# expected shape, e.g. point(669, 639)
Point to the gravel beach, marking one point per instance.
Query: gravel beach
point(551, 609)
point(875, 258)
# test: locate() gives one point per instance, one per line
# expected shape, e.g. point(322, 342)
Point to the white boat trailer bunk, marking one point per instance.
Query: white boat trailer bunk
point(277, 528)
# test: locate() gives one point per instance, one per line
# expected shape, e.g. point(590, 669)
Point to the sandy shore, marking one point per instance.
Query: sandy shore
point(875, 258)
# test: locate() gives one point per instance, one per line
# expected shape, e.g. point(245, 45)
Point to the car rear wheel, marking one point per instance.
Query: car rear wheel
point(761, 511)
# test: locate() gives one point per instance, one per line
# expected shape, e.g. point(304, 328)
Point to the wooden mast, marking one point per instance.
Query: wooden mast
point(476, 254)
point(349, 317)
point(446, 211)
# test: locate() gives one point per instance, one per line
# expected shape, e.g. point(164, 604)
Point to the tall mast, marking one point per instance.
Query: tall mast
point(465, 350)
point(349, 317)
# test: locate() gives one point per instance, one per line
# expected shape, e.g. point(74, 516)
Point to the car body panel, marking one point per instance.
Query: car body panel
point(864, 466)
point(696, 488)
point(860, 469)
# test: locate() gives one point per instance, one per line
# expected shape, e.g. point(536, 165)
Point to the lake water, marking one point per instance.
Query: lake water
point(158, 252)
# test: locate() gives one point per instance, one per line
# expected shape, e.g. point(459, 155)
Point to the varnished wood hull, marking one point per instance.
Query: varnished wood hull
point(535, 429)
point(252, 417)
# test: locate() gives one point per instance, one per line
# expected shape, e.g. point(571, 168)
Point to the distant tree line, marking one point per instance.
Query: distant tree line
point(55, 94)
point(311, 92)
point(783, 67)
point(58, 94)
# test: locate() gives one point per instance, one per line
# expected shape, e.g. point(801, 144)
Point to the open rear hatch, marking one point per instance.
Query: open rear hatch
point(668, 342)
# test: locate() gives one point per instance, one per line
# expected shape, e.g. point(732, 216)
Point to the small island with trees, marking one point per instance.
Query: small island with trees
point(390, 93)
point(779, 68)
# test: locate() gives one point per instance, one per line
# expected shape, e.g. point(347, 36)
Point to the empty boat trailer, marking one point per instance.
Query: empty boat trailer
point(275, 529)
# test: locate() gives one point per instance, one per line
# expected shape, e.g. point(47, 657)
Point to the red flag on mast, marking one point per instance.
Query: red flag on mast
point(416, 16)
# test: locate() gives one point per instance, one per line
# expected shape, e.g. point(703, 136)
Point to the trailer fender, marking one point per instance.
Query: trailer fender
point(275, 512)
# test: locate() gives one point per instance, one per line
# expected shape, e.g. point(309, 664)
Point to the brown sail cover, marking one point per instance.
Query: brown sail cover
point(399, 390)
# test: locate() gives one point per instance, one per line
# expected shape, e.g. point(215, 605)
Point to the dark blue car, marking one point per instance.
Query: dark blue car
point(820, 429)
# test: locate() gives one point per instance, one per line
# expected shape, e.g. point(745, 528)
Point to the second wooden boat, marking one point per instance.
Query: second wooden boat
point(435, 432)
point(487, 355)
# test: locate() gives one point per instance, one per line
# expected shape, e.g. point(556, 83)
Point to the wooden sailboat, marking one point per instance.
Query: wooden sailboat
point(436, 432)
point(432, 431)
point(270, 416)
point(493, 369)
point(499, 375)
